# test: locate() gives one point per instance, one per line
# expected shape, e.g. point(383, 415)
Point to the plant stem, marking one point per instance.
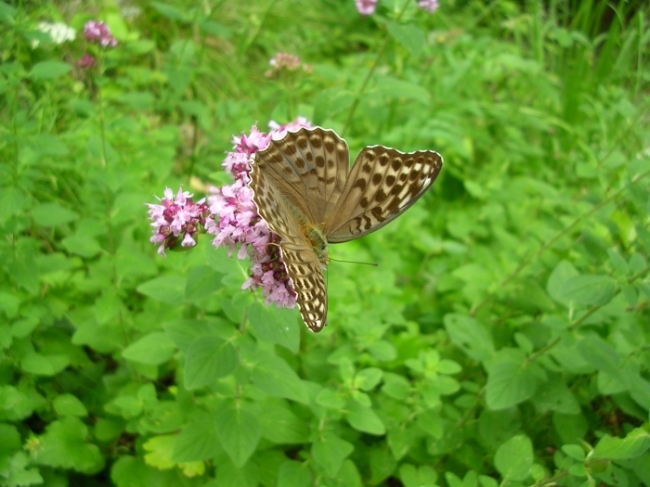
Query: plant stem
point(364, 85)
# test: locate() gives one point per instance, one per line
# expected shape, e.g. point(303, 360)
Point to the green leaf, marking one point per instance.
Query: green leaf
point(239, 431)
point(469, 334)
point(556, 281)
point(69, 405)
point(601, 355)
point(364, 419)
point(49, 70)
point(184, 332)
point(589, 290)
point(398, 89)
point(35, 363)
point(635, 443)
point(367, 379)
point(330, 451)
point(155, 348)
point(208, 359)
point(509, 383)
point(514, 458)
point(64, 446)
point(294, 474)
point(411, 476)
point(202, 281)
point(382, 465)
point(15, 473)
point(229, 475)
point(396, 386)
point(409, 36)
point(275, 327)
point(274, 376)
point(49, 215)
point(197, 441)
point(281, 425)
point(168, 289)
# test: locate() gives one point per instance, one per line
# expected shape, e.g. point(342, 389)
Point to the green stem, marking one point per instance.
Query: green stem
point(373, 68)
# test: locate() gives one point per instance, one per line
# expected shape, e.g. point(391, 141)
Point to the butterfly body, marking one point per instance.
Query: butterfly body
point(307, 193)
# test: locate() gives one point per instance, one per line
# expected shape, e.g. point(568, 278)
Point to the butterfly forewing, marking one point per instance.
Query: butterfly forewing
point(310, 167)
point(382, 185)
point(303, 186)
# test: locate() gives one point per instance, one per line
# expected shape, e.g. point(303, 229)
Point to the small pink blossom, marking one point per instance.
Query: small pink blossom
point(366, 7)
point(231, 217)
point(235, 223)
point(98, 32)
point(177, 219)
point(429, 5)
point(86, 62)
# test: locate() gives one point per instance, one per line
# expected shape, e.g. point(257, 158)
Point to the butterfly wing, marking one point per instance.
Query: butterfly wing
point(309, 168)
point(299, 257)
point(383, 184)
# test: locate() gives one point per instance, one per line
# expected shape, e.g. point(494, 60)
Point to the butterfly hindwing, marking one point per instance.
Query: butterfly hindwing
point(302, 262)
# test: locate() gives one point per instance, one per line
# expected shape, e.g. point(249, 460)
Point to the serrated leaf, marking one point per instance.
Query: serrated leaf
point(239, 432)
point(160, 451)
point(208, 359)
point(64, 445)
point(514, 458)
point(154, 348)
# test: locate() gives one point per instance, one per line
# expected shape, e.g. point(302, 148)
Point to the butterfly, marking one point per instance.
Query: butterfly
point(307, 193)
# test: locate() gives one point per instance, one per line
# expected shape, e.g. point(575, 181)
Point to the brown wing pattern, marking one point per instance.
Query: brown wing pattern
point(382, 185)
point(309, 167)
point(299, 257)
point(303, 183)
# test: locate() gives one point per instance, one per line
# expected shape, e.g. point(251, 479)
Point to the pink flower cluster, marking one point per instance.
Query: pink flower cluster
point(236, 224)
point(98, 32)
point(367, 7)
point(428, 5)
point(177, 220)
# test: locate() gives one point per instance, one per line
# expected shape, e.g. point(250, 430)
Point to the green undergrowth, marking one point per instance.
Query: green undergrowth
point(502, 340)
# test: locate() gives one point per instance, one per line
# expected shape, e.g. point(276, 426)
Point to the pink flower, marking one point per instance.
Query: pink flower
point(235, 223)
point(366, 7)
point(86, 62)
point(428, 5)
point(175, 218)
point(231, 217)
point(98, 32)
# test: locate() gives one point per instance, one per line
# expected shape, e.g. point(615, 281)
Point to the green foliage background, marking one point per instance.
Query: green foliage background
point(503, 339)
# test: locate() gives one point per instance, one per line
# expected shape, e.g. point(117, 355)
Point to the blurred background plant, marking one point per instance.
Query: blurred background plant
point(502, 340)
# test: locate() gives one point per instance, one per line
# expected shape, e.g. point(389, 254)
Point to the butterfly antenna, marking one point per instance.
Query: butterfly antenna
point(374, 264)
